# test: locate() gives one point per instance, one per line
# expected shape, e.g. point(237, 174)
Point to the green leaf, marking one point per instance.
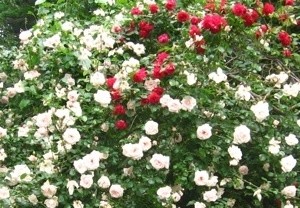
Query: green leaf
point(24, 103)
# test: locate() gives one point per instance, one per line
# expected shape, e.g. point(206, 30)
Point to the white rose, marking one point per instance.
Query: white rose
point(204, 132)
point(71, 185)
point(145, 142)
point(43, 120)
point(291, 140)
point(52, 202)
point(218, 76)
point(260, 110)
point(92, 160)
point(199, 205)
point(116, 191)
point(213, 180)
point(210, 196)
point(201, 177)
point(243, 93)
point(78, 204)
point(97, 79)
point(3, 132)
point(164, 192)
point(103, 182)
point(188, 103)
point(103, 97)
point(191, 77)
point(67, 26)
point(48, 190)
point(4, 193)
point(25, 35)
point(71, 136)
point(151, 128)
point(235, 152)
point(241, 135)
point(134, 151)
point(73, 95)
point(159, 161)
point(289, 191)
point(288, 163)
point(86, 181)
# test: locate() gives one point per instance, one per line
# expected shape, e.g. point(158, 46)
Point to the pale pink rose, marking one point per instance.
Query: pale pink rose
point(241, 135)
point(201, 177)
point(48, 190)
point(80, 166)
point(3, 132)
point(32, 199)
point(145, 142)
point(73, 96)
point(43, 120)
point(210, 196)
point(204, 132)
point(97, 79)
point(199, 205)
point(188, 103)
point(77, 204)
point(174, 105)
point(151, 128)
point(4, 193)
point(116, 191)
point(289, 191)
point(164, 192)
point(52, 202)
point(103, 182)
point(150, 84)
point(92, 160)
point(164, 100)
point(134, 151)
point(159, 161)
point(243, 170)
point(86, 181)
point(71, 136)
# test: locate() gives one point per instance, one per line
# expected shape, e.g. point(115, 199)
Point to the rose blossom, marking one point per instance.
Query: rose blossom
point(103, 97)
point(284, 38)
point(289, 191)
point(71, 185)
point(241, 135)
point(268, 9)
point(52, 202)
point(288, 163)
point(174, 105)
point(183, 16)
point(80, 166)
point(188, 103)
point(164, 192)
point(260, 110)
point(291, 140)
point(134, 151)
point(116, 191)
point(239, 9)
point(97, 79)
point(3, 132)
point(235, 152)
point(159, 161)
point(243, 170)
point(48, 190)
point(77, 204)
point(71, 136)
point(4, 193)
point(210, 196)
point(86, 181)
point(103, 182)
point(163, 38)
point(32, 199)
point(204, 132)
point(199, 205)
point(151, 128)
point(145, 143)
point(201, 177)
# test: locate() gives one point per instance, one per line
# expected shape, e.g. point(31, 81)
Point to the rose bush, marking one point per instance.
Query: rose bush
point(154, 104)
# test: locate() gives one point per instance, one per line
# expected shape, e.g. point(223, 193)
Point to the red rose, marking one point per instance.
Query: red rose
point(163, 38)
point(289, 2)
point(213, 22)
point(183, 16)
point(170, 5)
point(115, 95)
point(144, 101)
point(287, 53)
point(153, 8)
point(169, 69)
point(119, 110)
point(239, 9)
point(136, 11)
point(194, 30)
point(195, 20)
point(140, 75)
point(110, 82)
point(157, 74)
point(144, 33)
point(158, 90)
point(250, 17)
point(284, 38)
point(268, 9)
point(200, 46)
point(147, 26)
point(153, 98)
point(121, 124)
point(161, 57)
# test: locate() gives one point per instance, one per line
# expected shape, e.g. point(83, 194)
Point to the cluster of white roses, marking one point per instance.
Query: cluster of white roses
point(188, 103)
